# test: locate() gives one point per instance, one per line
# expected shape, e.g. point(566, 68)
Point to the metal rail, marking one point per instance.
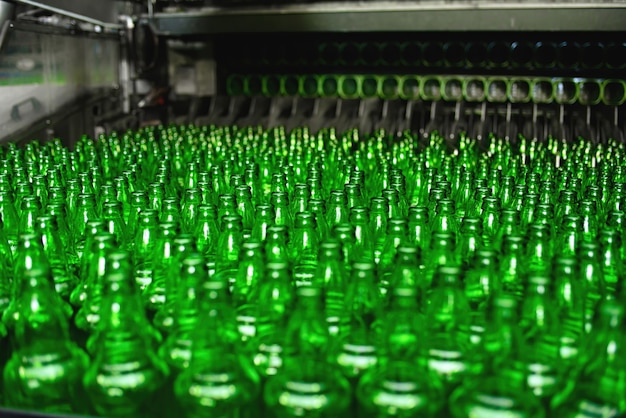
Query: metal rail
point(398, 16)
point(73, 15)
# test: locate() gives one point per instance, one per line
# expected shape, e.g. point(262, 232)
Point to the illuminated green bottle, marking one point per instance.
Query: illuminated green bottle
point(543, 360)
point(126, 377)
point(9, 219)
point(399, 385)
point(501, 388)
point(309, 384)
point(355, 351)
point(447, 352)
point(88, 315)
point(161, 264)
point(250, 275)
point(43, 344)
point(219, 380)
point(598, 386)
point(304, 248)
point(30, 255)
point(64, 280)
point(164, 317)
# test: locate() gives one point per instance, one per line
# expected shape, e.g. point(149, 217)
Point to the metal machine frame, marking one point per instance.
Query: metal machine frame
point(170, 67)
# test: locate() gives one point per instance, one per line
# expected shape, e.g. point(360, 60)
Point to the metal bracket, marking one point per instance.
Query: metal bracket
point(31, 104)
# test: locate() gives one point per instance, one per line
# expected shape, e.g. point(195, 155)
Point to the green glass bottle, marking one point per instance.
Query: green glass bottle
point(40, 188)
point(318, 208)
point(23, 189)
point(442, 252)
point(491, 219)
point(79, 293)
point(589, 214)
point(501, 390)
point(9, 219)
point(85, 212)
point(138, 203)
point(123, 191)
point(336, 210)
point(567, 205)
point(355, 351)
point(245, 208)
point(29, 211)
point(170, 212)
point(345, 235)
point(144, 244)
point(332, 278)
point(251, 272)
point(192, 199)
point(612, 267)
point(445, 220)
point(276, 244)
point(30, 254)
point(396, 236)
point(447, 352)
point(106, 195)
point(570, 299)
point(183, 245)
point(207, 229)
point(511, 265)
point(359, 218)
point(274, 297)
point(599, 387)
point(6, 280)
point(591, 273)
point(154, 294)
point(569, 236)
point(57, 209)
point(470, 239)
point(219, 381)
point(301, 198)
point(64, 280)
point(399, 386)
point(419, 226)
point(126, 377)
point(378, 224)
point(308, 385)
point(303, 248)
point(156, 194)
point(543, 361)
point(88, 315)
point(538, 250)
point(6, 258)
point(46, 368)
point(263, 219)
point(481, 279)
point(282, 214)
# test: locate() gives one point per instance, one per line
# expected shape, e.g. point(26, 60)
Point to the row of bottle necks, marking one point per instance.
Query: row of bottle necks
point(494, 55)
point(432, 88)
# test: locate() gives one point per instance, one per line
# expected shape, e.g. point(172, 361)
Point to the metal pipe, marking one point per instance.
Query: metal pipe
point(72, 15)
point(7, 14)
point(7, 11)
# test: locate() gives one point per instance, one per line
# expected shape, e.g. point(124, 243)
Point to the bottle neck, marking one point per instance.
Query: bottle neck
point(42, 323)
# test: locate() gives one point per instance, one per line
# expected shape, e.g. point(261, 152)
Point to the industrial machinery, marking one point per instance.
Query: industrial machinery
point(537, 68)
point(512, 68)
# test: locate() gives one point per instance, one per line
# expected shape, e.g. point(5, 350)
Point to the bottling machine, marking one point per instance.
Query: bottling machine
point(552, 68)
point(504, 66)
